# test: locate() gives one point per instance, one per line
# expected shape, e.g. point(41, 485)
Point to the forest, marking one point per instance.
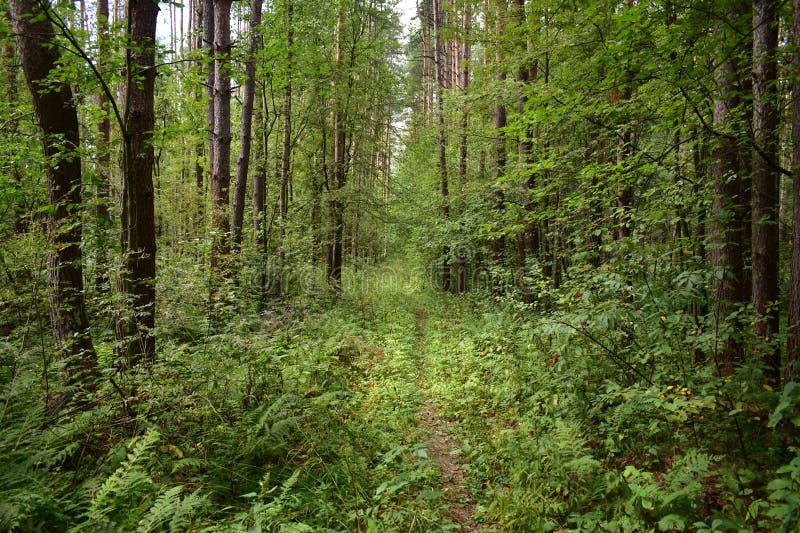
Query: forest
point(397, 265)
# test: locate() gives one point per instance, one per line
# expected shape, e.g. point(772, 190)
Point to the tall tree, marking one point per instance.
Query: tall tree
point(439, 60)
point(498, 244)
point(103, 145)
point(793, 344)
point(136, 330)
point(765, 182)
point(463, 145)
point(286, 151)
point(221, 146)
point(248, 97)
point(336, 204)
point(727, 231)
point(56, 114)
point(208, 43)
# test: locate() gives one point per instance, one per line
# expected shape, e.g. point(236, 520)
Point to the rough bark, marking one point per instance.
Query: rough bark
point(728, 237)
point(58, 119)
point(243, 162)
point(466, 58)
point(221, 147)
point(765, 184)
point(336, 205)
point(286, 151)
point(104, 156)
point(498, 244)
point(424, 14)
point(438, 61)
point(523, 142)
point(197, 44)
point(793, 343)
point(208, 42)
point(135, 328)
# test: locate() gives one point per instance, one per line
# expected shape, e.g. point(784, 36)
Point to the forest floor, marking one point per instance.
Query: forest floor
point(410, 370)
point(442, 446)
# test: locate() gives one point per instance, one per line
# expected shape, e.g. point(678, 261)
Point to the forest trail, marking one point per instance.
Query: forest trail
point(460, 507)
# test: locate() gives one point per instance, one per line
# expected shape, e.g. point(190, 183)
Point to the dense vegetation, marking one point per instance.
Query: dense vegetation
point(533, 266)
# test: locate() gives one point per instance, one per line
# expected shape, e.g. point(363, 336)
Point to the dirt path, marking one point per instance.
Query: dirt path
point(441, 444)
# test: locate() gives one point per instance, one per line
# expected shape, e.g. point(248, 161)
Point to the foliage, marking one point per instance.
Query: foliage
point(583, 376)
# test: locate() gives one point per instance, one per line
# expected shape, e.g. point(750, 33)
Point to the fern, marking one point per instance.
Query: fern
point(161, 511)
point(169, 508)
point(124, 494)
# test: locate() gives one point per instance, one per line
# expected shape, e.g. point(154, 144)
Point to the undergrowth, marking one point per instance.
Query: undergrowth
point(594, 413)
point(300, 418)
point(607, 413)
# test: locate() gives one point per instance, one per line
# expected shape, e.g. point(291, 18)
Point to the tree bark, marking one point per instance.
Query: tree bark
point(498, 243)
point(197, 44)
point(523, 142)
point(208, 41)
point(286, 152)
point(466, 58)
point(57, 117)
point(791, 368)
point(221, 147)
point(438, 62)
point(135, 330)
point(765, 184)
point(243, 162)
point(728, 235)
point(104, 156)
point(336, 204)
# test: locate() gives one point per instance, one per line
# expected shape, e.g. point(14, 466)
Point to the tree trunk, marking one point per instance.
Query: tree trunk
point(243, 162)
point(104, 156)
point(286, 153)
point(524, 141)
point(498, 243)
point(438, 61)
point(197, 44)
point(466, 53)
point(336, 205)
point(221, 148)
point(727, 232)
point(765, 184)
point(135, 331)
point(208, 41)
point(424, 14)
point(793, 344)
point(58, 119)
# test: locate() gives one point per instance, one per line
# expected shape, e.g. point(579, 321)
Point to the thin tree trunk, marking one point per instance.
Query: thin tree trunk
point(438, 61)
point(9, 82)
point(523, 143)
point(498, 244)
point(336, 205)
point(58, 119)
point(243, 162)
point(208, 42)
point(466, 58)
point(197, 44)
point(104, 156)
point(424, 13)
point(220, 169)
point(286, 153)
